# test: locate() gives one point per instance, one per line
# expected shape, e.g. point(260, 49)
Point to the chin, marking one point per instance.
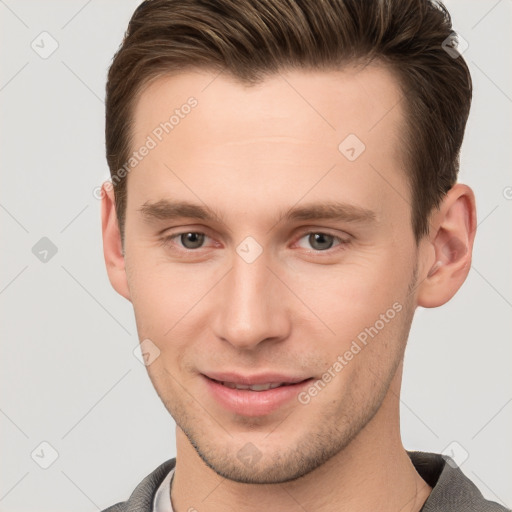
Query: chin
point(270, 464)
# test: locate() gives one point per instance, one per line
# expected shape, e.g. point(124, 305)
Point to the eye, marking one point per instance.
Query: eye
point(316, 240)
point(321, 241)
point(189, 240)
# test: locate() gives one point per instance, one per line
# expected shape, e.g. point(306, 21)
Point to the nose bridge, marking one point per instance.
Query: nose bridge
point(252, 309)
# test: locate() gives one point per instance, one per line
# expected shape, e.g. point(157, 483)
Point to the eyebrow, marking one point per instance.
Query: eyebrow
point(330, 210)
point(168, 210)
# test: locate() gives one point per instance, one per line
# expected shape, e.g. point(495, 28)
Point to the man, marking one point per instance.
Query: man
point(284, 195)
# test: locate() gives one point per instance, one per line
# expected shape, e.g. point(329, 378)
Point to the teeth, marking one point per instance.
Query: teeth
point(254, 387)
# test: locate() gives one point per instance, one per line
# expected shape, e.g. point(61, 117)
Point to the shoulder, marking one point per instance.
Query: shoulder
point(451, 488)
point(141, 499)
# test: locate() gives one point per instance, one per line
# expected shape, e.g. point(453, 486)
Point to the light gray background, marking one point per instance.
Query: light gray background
point(68, 373)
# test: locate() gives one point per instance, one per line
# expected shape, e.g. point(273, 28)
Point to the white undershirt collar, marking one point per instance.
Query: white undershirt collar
point(162, 501)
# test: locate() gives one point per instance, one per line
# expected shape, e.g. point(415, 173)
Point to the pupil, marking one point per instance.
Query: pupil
point(192, 240)
point(320, 241)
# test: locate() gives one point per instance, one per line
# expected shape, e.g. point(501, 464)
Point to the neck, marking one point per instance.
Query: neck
point(373, 472)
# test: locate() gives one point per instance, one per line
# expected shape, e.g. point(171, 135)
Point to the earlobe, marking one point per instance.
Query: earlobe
point(453, 233)
point(112, 247)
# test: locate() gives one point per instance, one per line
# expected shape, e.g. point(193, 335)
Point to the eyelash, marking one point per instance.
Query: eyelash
point(342, 243)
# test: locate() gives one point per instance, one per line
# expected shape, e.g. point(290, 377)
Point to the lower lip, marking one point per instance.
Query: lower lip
point(253, 403)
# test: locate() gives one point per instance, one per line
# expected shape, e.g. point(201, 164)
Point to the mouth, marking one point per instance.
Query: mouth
point(257, 387)
point(254, 396)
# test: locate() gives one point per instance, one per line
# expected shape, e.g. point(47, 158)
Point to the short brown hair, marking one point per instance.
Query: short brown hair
point(252, 39)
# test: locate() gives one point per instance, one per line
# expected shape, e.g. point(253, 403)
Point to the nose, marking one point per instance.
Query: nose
point(251, 305)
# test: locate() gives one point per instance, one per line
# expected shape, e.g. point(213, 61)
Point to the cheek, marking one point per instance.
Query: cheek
point(156, 287)
point(166, 300)
point(354, 294)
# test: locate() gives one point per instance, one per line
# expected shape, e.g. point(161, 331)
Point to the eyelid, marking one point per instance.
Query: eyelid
point(308, 230)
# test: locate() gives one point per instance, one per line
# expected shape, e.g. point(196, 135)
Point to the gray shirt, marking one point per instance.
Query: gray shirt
point(451, 490)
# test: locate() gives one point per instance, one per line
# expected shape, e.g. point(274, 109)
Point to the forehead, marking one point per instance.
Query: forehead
point(213, 134)
point(320, 104)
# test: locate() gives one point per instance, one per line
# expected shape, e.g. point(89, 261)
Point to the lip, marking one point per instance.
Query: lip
point(246, 402)
point(249, 380)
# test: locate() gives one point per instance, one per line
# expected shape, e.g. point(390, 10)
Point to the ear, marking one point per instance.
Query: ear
point(112, 248)
point(452, 232)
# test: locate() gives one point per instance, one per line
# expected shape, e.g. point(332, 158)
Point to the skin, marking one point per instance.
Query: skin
point(251, 154)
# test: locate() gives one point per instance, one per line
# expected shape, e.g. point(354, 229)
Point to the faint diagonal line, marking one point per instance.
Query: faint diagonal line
point(301, 300)
point(5, 495)
point(14, 218)
point(194, 398)
point(415, 497)
point(97, 402)
point(212, 80)
point(14, 14)
point(491, 419)
point(17, 426)
point(74, 218)
point(292, 497)
point(388, 111)
point(416, 287)
point(492, 81)
point(76, 14)
point(301, 198)
point(82, 81)
point(486, 14)
point(81, 490)
point(490, 490)
point(389, 183)
point(198, 301)
point(14, 76)
point(96, 300)
point(185, 185)
point(488, 215)
point(307, 102)
point(13, 279)
point(410, 410)
point(214, 489)
point(402, 402)
point(278, 425)
point(491, 285)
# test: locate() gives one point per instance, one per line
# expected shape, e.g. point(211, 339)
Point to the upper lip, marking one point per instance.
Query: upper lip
point(249, 380)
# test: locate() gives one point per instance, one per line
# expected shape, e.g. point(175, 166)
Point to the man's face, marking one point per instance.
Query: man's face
point(267, 285)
